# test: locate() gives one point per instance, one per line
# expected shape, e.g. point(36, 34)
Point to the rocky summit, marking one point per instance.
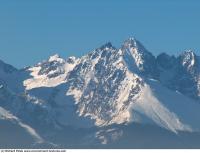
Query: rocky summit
point(103, 98)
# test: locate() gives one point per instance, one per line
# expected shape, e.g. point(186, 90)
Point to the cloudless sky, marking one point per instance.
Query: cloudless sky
point(32, 30)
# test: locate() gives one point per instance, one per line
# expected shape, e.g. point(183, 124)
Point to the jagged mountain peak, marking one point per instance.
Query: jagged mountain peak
point(165, 61)
point(188, 52)
point(51, 72)
point(138, 58)
point(130, 42)
point(103, 51)
point(107, 46)
point(108, 86)
point(57, 58)
point(136, 47)
point(134, 44)
point(104, 70)
point(130, 46)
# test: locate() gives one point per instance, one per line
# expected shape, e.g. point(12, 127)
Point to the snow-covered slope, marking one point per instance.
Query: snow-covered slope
point(168, 109)
point(106, 83)
point(50, 73)
point(107, 86)
point(103, 86)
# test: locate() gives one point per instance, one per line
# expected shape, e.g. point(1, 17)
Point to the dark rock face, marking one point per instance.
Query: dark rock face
point(184, 72)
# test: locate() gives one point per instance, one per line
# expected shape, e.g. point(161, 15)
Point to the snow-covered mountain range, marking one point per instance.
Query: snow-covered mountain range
point(107, 88)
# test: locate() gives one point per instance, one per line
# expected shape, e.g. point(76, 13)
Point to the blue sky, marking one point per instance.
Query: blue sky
point(30, 31)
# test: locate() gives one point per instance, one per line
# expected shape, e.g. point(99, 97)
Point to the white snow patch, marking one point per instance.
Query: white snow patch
point(32, 132)
point(5, 115)
point(148, 105)
point(185, 108)
point(125, 88)
point(56, 57)
point(189, 59)
point(76, 94)
point(43, 80)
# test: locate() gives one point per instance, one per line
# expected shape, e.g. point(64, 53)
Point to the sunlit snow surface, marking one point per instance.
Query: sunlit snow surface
point(108, 97)
point(159, 110)
point(42, 80)
point(106, 71)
